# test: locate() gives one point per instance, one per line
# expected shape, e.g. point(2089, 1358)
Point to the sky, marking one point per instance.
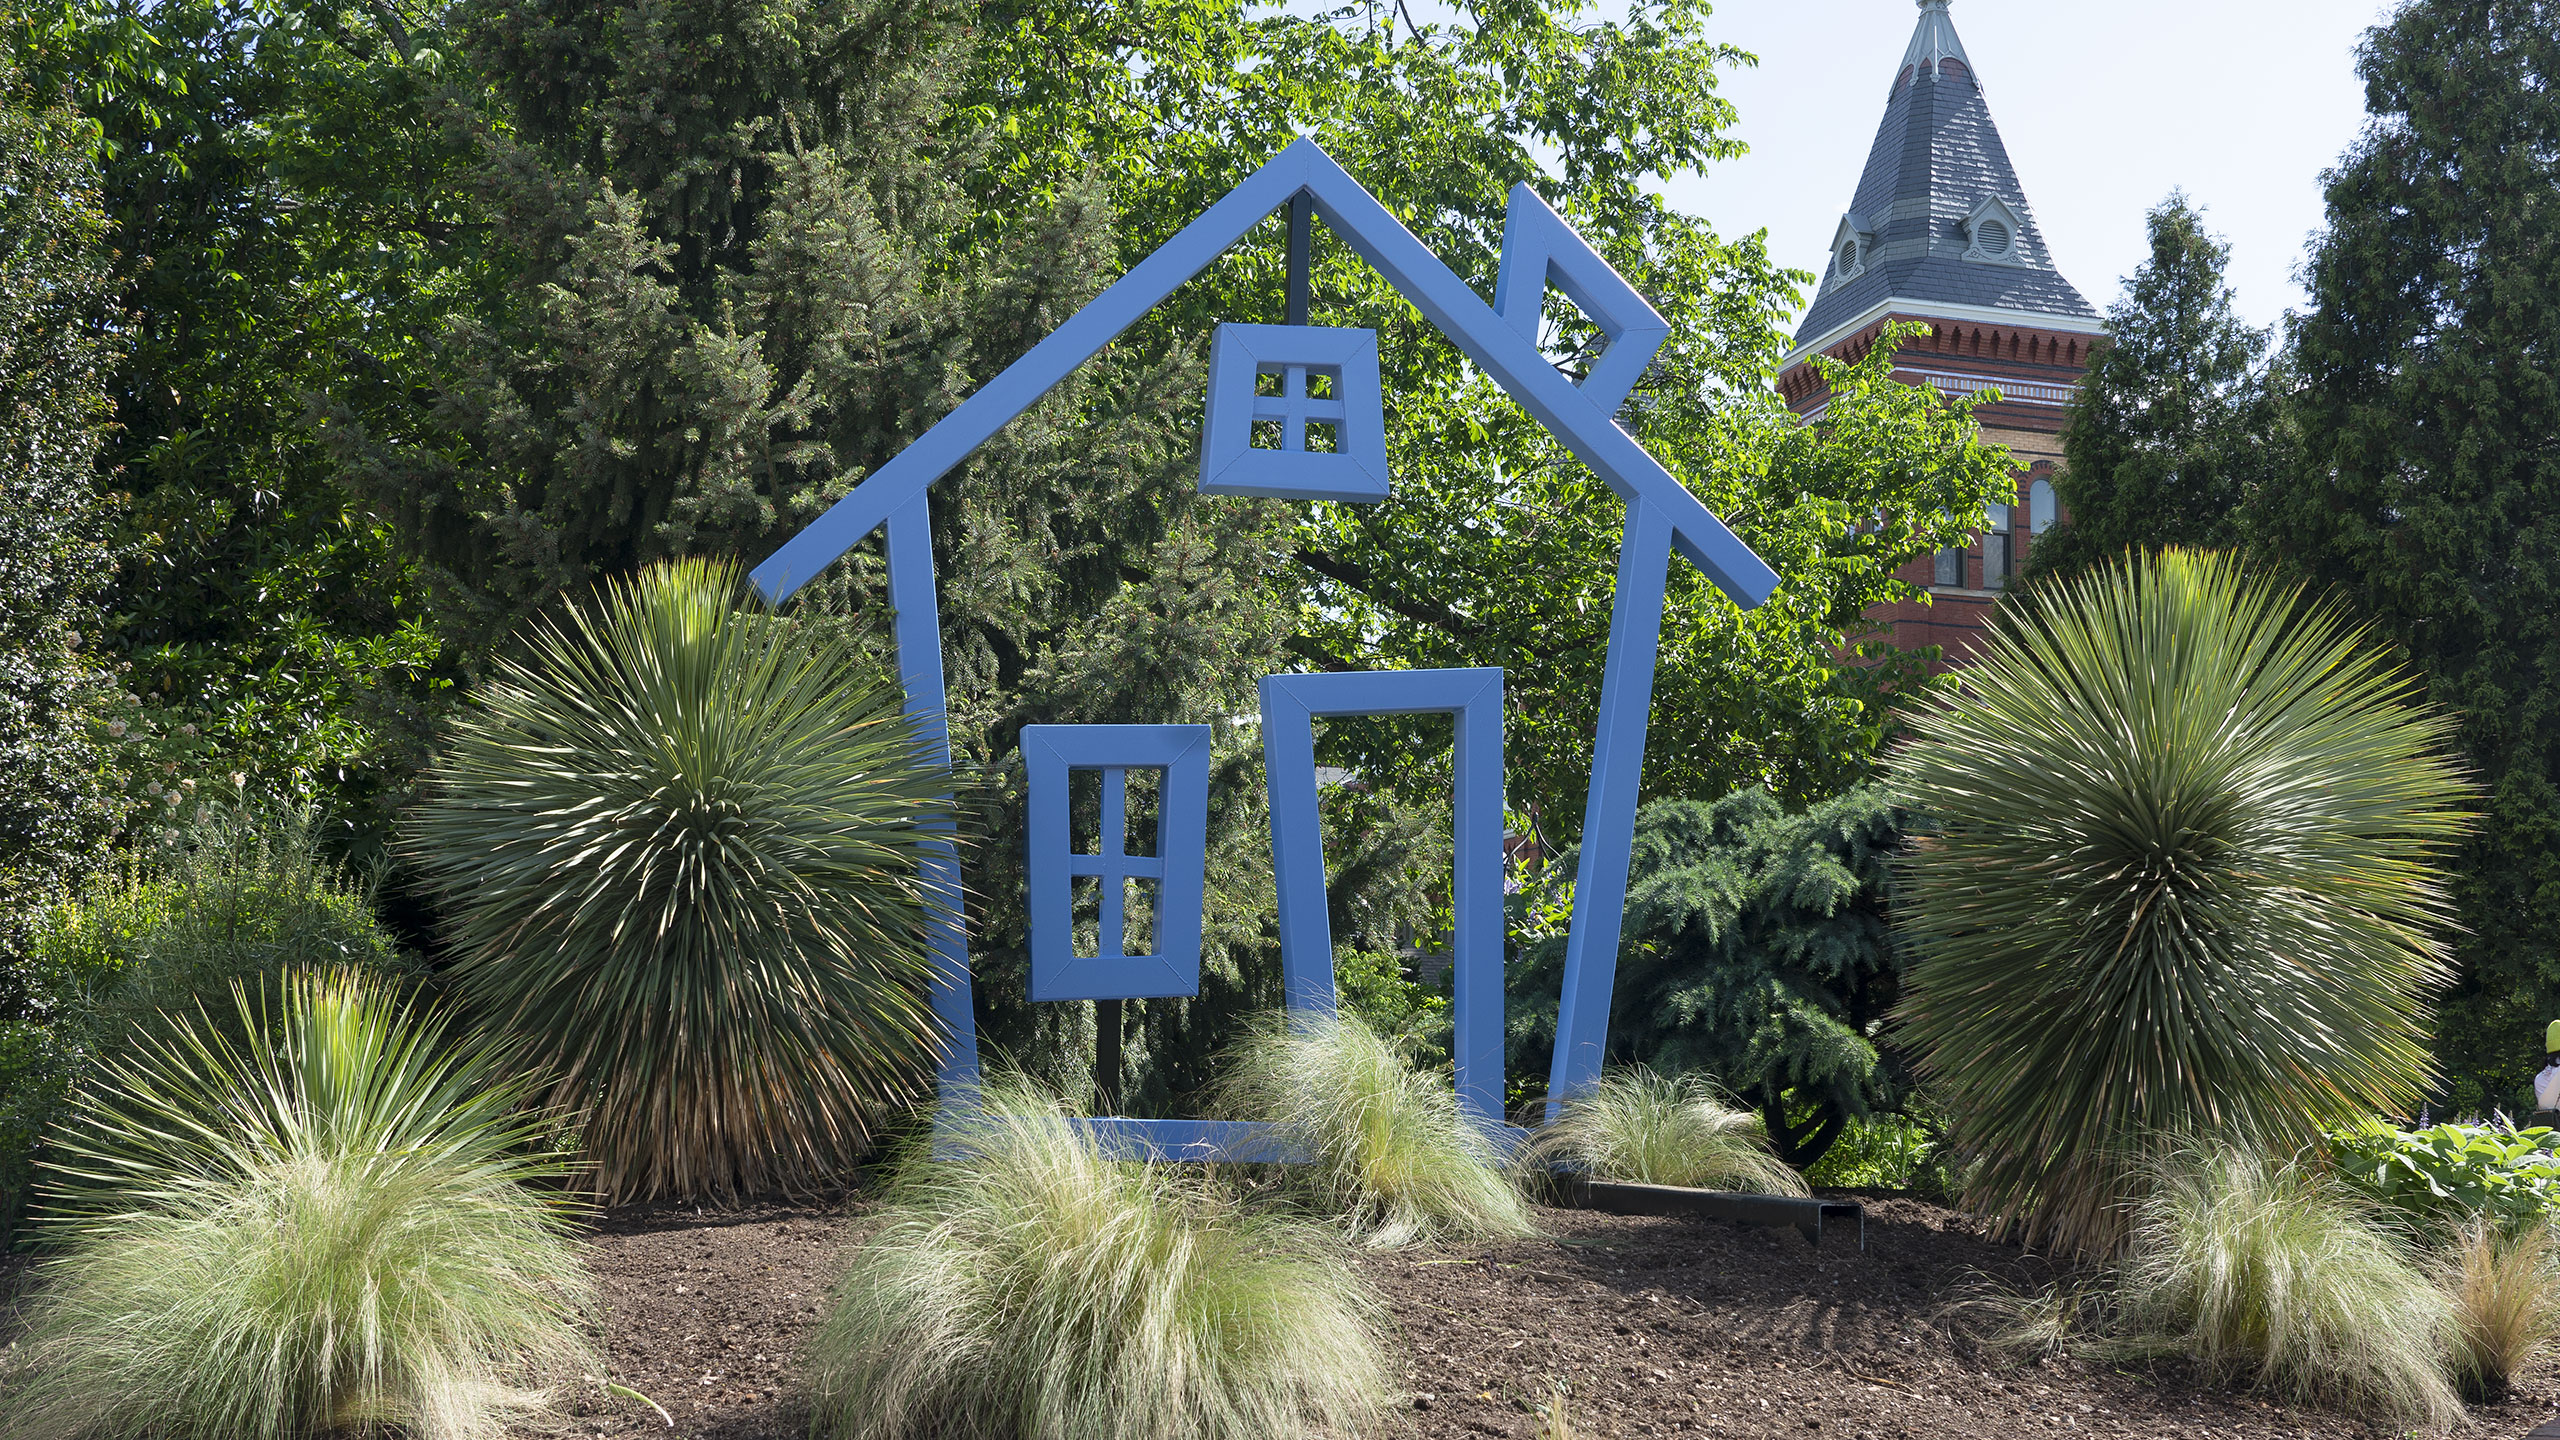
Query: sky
point(2106, 106)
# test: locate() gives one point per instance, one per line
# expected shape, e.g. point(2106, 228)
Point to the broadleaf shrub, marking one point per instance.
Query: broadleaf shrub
point(2443, 1175)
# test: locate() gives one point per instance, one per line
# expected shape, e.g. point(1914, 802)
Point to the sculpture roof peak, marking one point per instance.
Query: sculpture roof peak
point(1935, 41)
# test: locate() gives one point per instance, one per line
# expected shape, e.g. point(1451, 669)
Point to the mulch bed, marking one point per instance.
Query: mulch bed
point(1651, 1327)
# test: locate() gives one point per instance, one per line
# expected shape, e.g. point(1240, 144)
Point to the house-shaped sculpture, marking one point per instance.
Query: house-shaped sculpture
point(1287, 379)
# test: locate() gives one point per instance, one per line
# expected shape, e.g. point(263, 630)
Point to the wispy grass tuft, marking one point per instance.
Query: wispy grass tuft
point(2273, 1273)
point(323, 1230)
point(1651, 1129)
point(1392, 1152)
point(2504, 1285)
point(1026, 1285)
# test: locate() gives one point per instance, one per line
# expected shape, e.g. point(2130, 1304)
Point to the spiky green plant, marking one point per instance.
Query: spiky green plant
point(2272, 1273)
point(328, 1229)
point(677, 842)
point(1023, 1284)
point(1391, 1152)
point(1654, 1129)
point(2185, 881)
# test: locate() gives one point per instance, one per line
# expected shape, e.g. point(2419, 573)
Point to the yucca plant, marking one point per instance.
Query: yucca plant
point(1023, 1284)
point(677, 843)
point(328, 1229)
point(2272, 1273)
point(2503, 1282)
point(2185, 880)
point(1391, 1153)
point(1654, 1129)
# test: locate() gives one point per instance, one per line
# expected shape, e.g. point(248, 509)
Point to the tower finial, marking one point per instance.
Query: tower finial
point(1935, 41)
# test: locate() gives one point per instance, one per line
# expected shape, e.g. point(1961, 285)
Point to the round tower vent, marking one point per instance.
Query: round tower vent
point(1992, 237)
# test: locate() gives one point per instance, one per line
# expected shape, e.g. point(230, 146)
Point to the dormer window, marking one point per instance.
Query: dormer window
point(1852, 245)
point(1992, 234)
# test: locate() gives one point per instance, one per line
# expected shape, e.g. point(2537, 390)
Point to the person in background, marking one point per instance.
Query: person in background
point(2546, 1086)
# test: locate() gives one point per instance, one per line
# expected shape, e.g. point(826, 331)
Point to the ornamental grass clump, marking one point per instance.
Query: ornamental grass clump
point(328, 1229)
point(1023, 1284)
point(2273, 1274)
point(678, 840)
point(1652, 1129)
point(2503, 1282)
point(1390, 1151)
point(2185, 880)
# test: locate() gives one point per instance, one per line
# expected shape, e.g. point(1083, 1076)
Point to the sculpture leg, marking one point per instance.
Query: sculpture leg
point(1609, 813)
point(919, 634)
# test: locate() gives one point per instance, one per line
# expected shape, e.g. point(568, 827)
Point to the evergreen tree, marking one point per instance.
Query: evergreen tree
point(2175, 424)
point(56, 346)
point(746, 268)
point(2430, 375)
point(1755, 952)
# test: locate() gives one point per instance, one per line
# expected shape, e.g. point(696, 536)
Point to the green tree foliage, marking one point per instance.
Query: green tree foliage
point(2185, 881)
point(286, 221)
point(2176, 426)
point(1499, 548)
point(2427, 407)
point(675, 844)
point(1756, 953)
point(57, 807)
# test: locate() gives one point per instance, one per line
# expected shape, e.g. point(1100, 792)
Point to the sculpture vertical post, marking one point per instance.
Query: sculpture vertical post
point(1609, 811)
point(918, 625)
point(1476, 897)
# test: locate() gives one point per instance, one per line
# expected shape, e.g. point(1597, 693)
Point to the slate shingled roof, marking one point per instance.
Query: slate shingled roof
point(1937, 159)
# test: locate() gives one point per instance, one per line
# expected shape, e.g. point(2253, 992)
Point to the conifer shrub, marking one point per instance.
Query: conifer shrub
point(677, 842)
point(328, 1228)
point(1390, 1151)
point(2274, 1274)
point(1653, 1129)
point(1024, 1284)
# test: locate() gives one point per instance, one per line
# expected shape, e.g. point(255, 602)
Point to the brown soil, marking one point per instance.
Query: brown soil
point(1650, 1327)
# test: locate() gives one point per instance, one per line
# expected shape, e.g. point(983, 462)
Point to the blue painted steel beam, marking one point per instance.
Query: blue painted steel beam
point(1609, 810)
point(918, 626)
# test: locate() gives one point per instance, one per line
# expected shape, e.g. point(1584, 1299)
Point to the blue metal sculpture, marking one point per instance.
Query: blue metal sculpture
point(1290, 704)
point(1050, 753)
point(1662, 518)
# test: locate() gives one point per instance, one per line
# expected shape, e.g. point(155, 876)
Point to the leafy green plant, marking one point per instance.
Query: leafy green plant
point(246, 898)
point(2503, 1281)
point(2443, 1175)
point(326, 1229)
point(2274, 1273)
point(2185, 881)
point(1022, 1283)
point(1885, 1152)
point(1391, 1151)
point(1653, 1129)
point(677, 845)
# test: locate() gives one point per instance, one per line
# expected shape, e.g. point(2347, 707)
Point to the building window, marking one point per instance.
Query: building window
point(2040, 507)
point(1995, 546)
point(1950, 570)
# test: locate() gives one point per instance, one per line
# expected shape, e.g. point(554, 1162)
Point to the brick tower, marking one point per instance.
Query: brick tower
point(1940, 232)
